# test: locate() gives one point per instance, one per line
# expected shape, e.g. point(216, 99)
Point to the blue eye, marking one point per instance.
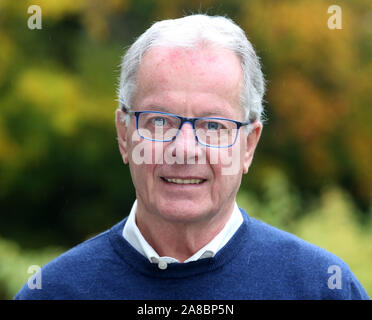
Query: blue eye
point(159, 121)
point(213, 125)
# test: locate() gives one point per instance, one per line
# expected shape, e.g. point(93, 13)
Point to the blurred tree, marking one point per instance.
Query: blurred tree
point(318, 98)
point(62, 178)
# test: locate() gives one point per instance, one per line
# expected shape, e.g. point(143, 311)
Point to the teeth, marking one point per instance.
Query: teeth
point(185, 181)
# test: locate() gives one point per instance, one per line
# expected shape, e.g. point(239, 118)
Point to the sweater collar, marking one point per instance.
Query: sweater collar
point(134, 236)
point(140, 264)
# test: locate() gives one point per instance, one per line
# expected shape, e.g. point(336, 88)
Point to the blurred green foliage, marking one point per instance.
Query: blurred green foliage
point(15, 263)
point(61, 176)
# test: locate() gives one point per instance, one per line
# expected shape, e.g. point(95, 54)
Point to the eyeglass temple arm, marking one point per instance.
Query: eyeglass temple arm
point(245, 123)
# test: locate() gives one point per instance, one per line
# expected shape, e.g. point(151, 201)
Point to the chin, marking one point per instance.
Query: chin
point(182, 212)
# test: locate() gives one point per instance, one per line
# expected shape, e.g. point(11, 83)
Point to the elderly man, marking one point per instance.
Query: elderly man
point(189, 120)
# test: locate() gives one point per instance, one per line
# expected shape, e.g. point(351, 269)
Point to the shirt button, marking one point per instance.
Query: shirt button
point(207, 254)
point(162, 265)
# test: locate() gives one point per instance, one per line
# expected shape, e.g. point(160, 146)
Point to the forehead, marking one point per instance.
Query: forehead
point(189, 76)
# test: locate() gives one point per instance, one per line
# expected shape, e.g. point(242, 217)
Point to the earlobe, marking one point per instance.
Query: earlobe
point(123, 147)
point(121, 130)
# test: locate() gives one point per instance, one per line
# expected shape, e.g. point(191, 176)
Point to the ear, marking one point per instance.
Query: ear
point(251, 141)
point(121, 129)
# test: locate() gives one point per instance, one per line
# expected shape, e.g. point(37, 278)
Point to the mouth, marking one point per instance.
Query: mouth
point(184, 181)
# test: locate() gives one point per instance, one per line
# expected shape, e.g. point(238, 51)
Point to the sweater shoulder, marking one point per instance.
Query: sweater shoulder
point(277, 240)
point(66, 275)
point(86, 251)
point(287, 256)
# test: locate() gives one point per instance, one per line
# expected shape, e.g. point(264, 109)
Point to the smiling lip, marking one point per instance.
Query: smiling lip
point(184, 180)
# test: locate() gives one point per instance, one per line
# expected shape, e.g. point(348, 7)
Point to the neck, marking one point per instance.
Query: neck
point(180, 239)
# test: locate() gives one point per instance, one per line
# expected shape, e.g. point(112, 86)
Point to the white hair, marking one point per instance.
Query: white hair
point(191, 31)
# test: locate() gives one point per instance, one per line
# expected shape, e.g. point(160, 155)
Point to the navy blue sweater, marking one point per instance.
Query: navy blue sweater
point(259, 262)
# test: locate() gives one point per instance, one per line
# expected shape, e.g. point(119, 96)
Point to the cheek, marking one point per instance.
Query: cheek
point(140, 161)
point(219, 157)
point(144, 158)
point(143, 151)
point(227, 161)
point(143, 178)
point(225, 184)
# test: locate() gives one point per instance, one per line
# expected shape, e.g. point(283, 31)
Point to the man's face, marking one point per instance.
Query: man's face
point(198, 82)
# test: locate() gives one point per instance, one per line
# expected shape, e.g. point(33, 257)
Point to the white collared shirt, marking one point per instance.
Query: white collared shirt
point(133, 235)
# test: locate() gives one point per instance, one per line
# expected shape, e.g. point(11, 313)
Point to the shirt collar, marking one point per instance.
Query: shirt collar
point(133, 235)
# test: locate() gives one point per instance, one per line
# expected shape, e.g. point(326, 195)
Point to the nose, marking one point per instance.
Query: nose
point(185, 147)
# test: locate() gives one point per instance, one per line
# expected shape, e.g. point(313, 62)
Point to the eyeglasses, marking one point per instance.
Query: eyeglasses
point(164, 127)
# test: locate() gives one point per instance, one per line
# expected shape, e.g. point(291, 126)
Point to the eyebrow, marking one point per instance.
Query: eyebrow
point(158, 108)
point(215, 113)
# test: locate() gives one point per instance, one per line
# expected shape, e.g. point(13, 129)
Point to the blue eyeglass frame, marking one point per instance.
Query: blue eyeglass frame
point(183, 121)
